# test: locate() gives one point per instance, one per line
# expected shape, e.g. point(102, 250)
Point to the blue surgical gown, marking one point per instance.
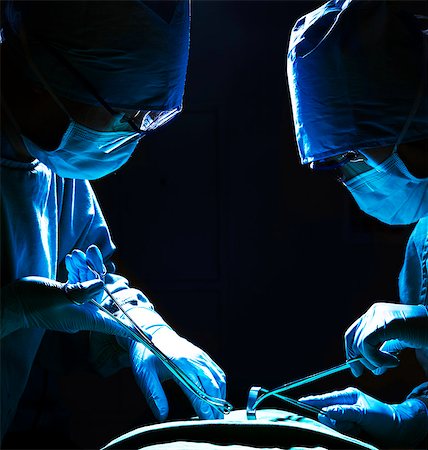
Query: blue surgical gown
point(43, 217)
point(413, 284)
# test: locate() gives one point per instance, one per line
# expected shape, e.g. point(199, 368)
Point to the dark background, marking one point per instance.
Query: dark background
point(246, 253)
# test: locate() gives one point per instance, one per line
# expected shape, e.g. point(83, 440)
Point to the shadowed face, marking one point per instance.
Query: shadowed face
point(41, 118)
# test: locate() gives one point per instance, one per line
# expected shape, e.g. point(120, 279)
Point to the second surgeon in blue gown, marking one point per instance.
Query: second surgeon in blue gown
point(80, 81)
point(357, 72)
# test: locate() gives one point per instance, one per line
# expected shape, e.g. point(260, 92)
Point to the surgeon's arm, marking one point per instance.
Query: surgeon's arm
point(148, 370)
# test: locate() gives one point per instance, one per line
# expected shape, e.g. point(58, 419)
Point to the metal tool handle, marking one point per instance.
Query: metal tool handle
point(255, 401)
point(252, 403)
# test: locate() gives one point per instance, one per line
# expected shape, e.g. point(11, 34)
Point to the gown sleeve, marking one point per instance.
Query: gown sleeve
point(413, 285)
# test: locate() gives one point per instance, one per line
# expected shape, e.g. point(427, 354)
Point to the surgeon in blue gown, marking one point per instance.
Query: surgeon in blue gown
point(357, 73)
point(82, 82)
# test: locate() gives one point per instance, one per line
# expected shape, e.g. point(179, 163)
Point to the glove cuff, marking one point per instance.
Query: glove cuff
point(115, 310)
point(136, 305)
point(148, 319)
point(126, 298)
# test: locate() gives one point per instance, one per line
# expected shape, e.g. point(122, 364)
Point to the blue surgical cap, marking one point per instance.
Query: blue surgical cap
point(133, 52)
point(357, 73)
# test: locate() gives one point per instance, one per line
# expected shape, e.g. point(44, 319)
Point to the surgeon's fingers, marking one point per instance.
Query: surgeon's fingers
point(154, 394)
point(81, 262)
point(95, 259)
point(201, 408)
point(206, 382)
point(348, 396)
point(348, 413)
point(76, 265)
point(393, 346)
point(358, 344)
point(221, 381)
point(375, 356)
point(357, 368)
point(349, 338)
point(73, 273)
point(343, 418)
point(218, 374)
point(78, 260)
point(147, 378)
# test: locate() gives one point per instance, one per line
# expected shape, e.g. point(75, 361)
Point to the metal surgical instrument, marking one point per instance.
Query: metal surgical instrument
point(138, 334)
point(254, 397)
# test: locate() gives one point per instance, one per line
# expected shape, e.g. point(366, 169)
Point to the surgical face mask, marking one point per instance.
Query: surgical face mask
point(390, 192)
point(85, 153)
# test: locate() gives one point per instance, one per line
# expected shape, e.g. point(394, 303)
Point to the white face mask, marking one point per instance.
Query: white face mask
point(86, 154)
point(390, 192)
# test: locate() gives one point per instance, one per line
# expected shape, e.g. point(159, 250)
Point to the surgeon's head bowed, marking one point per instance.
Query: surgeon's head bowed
point(357, 73)
point(112, 71)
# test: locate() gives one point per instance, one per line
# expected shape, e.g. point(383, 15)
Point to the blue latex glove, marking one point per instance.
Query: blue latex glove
point(37, 302)
point(350, 411)
point(385, 327)
point(78, 269)
point(150, 372)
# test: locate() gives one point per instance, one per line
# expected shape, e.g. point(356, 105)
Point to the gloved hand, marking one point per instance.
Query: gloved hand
point(78, 269)
point(37, 302)
point(350, 411)
point(396, 326)
point(150, 372)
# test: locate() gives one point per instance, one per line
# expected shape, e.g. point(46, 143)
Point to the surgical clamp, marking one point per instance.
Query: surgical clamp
point(254, 397)
point(144, 338)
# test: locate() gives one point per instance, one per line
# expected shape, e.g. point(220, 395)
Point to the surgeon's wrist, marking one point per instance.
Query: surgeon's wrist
point(147, 319)
point(157, 333)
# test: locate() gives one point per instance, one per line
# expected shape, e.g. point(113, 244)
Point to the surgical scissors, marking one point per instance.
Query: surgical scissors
point(254, 397)
point(138, 334)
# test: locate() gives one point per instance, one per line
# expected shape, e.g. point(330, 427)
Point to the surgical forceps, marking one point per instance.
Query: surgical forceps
point(254, 397)
point(138, 334)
